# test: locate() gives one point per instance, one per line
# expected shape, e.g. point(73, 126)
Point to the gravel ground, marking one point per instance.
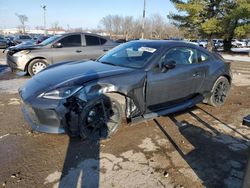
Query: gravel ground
point(200, 147)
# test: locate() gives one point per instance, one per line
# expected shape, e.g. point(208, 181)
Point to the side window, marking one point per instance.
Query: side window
point(181, 55)
point(92, 40)
point(71, 41)
point(202, 57)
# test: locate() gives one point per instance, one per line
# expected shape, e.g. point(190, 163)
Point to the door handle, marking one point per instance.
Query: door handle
point(78, 51)
point(105, 50)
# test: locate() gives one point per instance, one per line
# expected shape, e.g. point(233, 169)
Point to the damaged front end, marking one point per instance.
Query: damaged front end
point(131, 109)
point(52, 115)
point(76, 104)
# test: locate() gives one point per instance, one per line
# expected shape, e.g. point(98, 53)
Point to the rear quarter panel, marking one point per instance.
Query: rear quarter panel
point(216, 68)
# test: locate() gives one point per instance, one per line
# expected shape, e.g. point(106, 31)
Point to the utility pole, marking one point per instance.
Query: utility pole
point(44, 18)
point(143, 19)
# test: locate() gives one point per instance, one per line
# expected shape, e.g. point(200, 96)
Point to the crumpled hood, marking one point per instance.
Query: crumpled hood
point(72, 73)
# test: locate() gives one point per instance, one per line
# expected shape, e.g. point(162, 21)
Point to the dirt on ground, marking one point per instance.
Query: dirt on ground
point(199, 147)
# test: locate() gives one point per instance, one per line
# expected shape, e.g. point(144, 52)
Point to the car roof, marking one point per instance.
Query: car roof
point(75, 33)
point(166, 42)
point(85, 33)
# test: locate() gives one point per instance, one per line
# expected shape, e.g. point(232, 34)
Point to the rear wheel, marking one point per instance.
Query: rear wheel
point(36, 66)
point(100, 118)
point(219, 92)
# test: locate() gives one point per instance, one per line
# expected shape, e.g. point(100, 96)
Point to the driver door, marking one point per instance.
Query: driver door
point(70, 49)
point(177, 84)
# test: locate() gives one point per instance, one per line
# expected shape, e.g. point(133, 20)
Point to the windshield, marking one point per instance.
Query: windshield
point(131, 54)
point(50, 40)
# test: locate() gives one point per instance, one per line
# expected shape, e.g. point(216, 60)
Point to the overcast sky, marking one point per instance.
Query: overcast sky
point(76, 13)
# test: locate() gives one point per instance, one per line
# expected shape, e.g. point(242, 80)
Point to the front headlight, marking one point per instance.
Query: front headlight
point(60, 93)
point(21, 53)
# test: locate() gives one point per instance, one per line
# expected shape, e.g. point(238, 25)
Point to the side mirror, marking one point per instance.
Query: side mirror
point(57, 45)
point(170, 64)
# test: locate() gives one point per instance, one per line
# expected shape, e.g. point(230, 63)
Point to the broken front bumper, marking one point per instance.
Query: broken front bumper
point(53, 116)
point(43, 120)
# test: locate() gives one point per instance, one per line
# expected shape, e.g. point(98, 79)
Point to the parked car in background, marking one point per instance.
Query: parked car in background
point(3, 42)
point(41, 38)
point(238, 43)
point(174, 38)
point(194, 41)
point(248, 42)
point(202, 43)
point(10, 40)
point(218, 43)
point(21, 38)
point(58, 48)
point(121, 40)
point(136, 79)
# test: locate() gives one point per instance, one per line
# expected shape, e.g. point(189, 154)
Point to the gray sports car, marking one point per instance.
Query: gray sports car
point(137, 79)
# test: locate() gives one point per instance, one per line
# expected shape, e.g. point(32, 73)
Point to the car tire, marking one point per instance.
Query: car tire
point(92, 123)
point(36, 66)
point(219, 92)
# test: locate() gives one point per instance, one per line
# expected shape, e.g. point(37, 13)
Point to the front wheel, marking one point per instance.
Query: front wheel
point(36, 66)
point(219, 92)
point(100, 118)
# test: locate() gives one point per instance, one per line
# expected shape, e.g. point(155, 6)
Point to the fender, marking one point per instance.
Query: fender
point(131, 97)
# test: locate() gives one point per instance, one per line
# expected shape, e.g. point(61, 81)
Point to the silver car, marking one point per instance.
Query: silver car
point(59, 48)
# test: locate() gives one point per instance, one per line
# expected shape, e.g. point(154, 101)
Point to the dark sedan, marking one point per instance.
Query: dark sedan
point(136, 79)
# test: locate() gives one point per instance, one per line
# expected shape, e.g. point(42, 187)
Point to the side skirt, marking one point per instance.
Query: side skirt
point(178, 107)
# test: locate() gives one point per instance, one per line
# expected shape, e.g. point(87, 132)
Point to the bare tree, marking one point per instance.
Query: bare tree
point(22, 18)
point(117, 24)
point(127, 26)
point(156, 27)
point(107, 23)
point(39, 27)
point(55, 27)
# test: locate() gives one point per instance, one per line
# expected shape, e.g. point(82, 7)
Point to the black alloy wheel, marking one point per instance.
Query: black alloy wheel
point(220, 92)
point(100, 118)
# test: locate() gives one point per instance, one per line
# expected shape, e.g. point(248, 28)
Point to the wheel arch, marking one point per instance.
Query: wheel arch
point(229, 78)
point(121, 98)
point(35, 58)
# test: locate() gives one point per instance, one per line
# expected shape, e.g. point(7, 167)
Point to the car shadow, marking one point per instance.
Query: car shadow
point(82, 164)
point(218, 159)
